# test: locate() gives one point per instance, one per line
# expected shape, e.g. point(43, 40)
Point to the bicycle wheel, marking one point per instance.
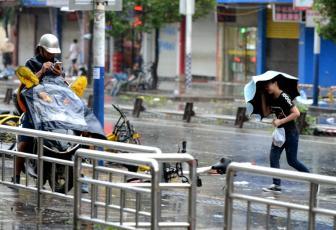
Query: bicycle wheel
point(8, 140)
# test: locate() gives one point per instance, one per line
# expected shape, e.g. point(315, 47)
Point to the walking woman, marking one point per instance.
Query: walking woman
point(286, 113)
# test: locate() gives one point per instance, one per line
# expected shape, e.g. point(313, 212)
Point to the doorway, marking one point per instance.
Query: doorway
point(239, 53)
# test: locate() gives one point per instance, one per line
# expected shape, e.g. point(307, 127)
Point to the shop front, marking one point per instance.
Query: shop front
point(250, 42)
point(239, 53)
point(239, 43)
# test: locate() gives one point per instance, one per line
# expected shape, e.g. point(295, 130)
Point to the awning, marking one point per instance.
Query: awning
point(253, 1)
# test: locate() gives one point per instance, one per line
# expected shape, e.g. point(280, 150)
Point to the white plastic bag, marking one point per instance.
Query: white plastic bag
point(279, 137)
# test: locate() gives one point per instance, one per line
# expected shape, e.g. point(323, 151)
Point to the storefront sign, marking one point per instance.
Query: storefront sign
point(303, 4)
point(254, 1)
point(36, 3)
point(311, 17)
point(286, 13)
point(58, 3)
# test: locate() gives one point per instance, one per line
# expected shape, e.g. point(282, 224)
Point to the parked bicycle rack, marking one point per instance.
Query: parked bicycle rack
point(312, 208)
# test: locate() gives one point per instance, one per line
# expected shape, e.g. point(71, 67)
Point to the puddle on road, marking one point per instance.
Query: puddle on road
point(18, 211)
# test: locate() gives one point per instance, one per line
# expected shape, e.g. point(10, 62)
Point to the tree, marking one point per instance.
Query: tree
point(327, 22)
point(153, 15)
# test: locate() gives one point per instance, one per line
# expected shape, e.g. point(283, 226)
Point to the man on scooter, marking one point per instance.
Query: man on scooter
point(44, 62)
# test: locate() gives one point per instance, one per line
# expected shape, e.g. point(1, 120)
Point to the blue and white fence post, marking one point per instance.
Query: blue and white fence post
point(317, 51)
point(99, 61)
point(187, 7)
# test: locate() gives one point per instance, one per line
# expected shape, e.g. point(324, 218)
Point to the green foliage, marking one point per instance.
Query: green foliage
point(327, 9)
point(155, 14)
point(302, 108)
point(310, 120)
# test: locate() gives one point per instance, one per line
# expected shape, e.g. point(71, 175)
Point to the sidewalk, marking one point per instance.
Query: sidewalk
point(200, 91)
point(213, 103)
point(222, 113)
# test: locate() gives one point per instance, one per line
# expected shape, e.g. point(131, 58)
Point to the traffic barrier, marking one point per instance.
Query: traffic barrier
point(241, 117)
point(138, 107)
point(143, 155)
point(188, 112)
point(312, 208)
point(150, 191)
point(40, 158)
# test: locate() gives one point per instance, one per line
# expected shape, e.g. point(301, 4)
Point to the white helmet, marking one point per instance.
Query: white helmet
point(50, 43)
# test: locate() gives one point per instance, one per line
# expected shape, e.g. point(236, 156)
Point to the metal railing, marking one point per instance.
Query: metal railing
point(40, 158)
point(312, 208)
point(153, 189)
point(143, 156)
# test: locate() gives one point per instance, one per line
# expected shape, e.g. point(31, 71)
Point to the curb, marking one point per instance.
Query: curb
point(325, 130)
point(201, 118)
point(321, 110)
point(183, 98)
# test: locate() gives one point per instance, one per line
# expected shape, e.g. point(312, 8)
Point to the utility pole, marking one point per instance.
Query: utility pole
point(190, 9)
point(187, 8)
point(99, 59)
point(317, 51)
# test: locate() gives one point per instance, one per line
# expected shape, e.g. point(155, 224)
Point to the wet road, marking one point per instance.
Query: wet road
point(208, 144)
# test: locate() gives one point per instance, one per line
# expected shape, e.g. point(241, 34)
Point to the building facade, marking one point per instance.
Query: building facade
point(234, 43)
point(260, 44)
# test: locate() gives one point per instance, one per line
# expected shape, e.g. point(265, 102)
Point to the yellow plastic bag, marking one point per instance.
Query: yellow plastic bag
point(26, 76)
point(79, 86)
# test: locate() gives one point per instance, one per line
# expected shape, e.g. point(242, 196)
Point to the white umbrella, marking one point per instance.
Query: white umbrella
point(254, 91)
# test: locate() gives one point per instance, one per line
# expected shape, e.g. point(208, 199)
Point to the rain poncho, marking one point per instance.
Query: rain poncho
point(52, 105)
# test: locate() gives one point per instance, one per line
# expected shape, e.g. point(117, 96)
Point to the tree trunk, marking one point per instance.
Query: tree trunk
point(156, 59)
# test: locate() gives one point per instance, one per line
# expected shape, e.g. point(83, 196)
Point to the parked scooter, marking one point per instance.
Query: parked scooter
point(54, 107)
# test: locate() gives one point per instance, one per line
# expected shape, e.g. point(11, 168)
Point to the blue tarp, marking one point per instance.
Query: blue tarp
point(52, 105)
point(255, 1)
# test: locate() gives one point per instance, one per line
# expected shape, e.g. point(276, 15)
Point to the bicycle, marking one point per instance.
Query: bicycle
point(172, 172)
point(123, 131)
point(8, 140)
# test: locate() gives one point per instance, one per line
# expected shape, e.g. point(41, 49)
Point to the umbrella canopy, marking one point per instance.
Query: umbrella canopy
point(255, 96)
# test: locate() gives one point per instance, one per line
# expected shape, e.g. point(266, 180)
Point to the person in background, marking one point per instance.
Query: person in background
point(7, 57)
point(73, 55)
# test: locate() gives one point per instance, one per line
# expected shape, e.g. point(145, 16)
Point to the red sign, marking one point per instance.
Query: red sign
point(286, 13)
